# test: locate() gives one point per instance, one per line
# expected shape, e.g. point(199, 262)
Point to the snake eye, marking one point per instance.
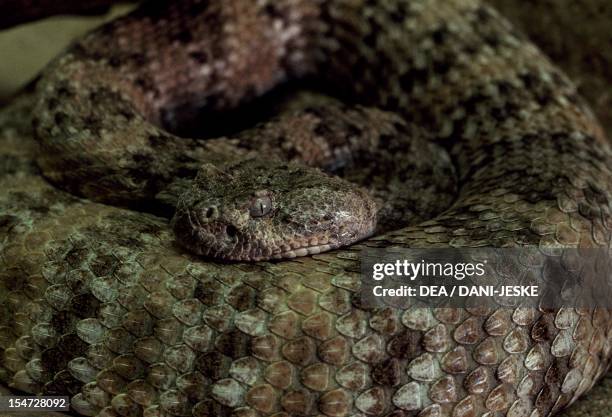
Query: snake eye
point(260, 206)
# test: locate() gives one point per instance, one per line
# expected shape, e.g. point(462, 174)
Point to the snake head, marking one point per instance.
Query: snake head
point(259, 210)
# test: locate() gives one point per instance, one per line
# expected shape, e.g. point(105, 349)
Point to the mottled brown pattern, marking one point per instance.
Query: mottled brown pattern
point(169, 334)
point(576, 35)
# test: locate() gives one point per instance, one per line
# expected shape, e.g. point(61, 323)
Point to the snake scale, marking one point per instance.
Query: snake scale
point(99, 302)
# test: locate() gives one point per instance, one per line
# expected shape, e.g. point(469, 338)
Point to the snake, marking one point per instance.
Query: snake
point(117, 309)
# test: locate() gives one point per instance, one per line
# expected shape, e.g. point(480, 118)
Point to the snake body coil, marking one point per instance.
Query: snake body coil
point(102, 305)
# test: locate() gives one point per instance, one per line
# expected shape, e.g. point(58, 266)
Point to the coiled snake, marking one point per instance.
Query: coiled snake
point(101, 304)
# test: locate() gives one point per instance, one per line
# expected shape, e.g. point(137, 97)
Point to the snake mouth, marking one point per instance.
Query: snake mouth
point(315, 249)
point(305, 251)
point(250, 256)
point(288, 254)
point(299, 248)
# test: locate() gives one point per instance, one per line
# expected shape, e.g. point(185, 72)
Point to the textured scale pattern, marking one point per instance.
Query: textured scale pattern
point(99, 302)
point(103, 308)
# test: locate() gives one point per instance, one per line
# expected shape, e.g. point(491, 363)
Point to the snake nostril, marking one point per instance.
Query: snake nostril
point(207, 214)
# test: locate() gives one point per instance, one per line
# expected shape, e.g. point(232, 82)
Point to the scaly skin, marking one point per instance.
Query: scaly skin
point(576, 36)
point(99, 104)
point(101, 304)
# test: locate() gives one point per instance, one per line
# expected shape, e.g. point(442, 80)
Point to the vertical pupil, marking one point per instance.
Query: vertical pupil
point(260, 207)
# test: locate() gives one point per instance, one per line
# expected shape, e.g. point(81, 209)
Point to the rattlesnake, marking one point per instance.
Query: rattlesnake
point(101, 303)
